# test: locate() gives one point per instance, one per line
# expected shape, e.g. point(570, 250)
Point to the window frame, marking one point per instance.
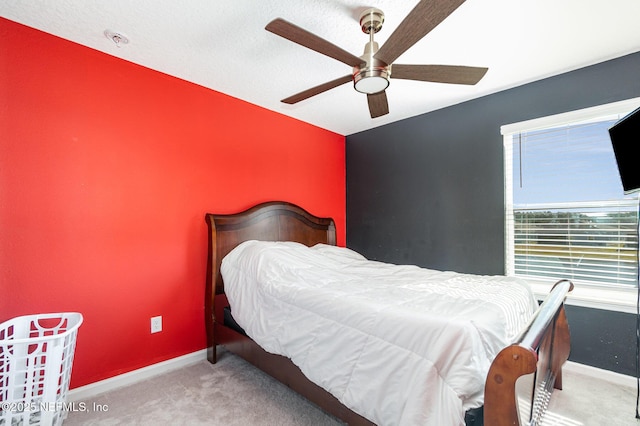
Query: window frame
point(610, 298)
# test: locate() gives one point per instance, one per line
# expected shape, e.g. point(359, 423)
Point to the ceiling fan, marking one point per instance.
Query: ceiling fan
point(372, 70)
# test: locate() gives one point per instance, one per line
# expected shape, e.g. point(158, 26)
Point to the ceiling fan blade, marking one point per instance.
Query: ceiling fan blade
point(317, 89)
point(307, 39)
point(419, 22)
point(378, 104)
point(453, 74)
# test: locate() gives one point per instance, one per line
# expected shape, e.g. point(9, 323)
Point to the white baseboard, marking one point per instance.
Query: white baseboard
point(93, 389)
point(600, 374)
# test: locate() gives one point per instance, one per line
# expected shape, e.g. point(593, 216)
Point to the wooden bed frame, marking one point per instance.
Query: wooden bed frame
point(543, 346)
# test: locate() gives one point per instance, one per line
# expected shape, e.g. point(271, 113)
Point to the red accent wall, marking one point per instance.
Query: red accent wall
point(107, 169)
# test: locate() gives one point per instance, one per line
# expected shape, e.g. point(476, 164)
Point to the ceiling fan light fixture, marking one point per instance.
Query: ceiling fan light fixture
point(371, 81)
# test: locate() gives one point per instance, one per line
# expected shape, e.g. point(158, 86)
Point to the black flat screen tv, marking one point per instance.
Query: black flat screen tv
point(625, 138)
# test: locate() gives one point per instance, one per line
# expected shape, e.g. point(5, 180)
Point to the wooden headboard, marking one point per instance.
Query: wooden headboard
point(272, 221)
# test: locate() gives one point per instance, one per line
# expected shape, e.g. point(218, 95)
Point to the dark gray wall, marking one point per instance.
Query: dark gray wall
point(429, 190)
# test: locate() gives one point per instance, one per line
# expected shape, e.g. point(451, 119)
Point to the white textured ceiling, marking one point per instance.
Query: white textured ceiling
point(222, 45)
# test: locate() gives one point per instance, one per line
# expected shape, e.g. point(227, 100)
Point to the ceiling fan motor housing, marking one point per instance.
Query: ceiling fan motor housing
point(373, 76)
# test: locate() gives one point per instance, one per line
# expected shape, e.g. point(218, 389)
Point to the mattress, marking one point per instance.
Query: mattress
point(398, 344)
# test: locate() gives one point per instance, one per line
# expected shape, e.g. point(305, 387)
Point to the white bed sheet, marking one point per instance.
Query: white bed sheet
point(400, 345)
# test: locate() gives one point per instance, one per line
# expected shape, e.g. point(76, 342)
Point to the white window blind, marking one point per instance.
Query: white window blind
point(567, 216)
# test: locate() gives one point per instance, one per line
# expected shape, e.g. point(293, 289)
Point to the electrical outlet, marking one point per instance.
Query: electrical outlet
point(156, 324)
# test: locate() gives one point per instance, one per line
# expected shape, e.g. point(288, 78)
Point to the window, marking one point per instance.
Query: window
point(566, 212)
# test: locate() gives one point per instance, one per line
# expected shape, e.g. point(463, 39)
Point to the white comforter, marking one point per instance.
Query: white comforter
point(400, 345)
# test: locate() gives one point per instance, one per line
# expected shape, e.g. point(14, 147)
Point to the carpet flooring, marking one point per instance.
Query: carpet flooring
point(233, 392)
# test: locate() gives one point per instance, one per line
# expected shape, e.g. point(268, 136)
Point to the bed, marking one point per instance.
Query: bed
point(539, 346)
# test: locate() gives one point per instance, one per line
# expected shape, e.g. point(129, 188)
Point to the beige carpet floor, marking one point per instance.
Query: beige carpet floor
point(233, 392)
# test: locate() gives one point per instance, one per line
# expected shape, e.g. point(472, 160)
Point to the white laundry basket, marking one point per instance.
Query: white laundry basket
point(36, 356)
